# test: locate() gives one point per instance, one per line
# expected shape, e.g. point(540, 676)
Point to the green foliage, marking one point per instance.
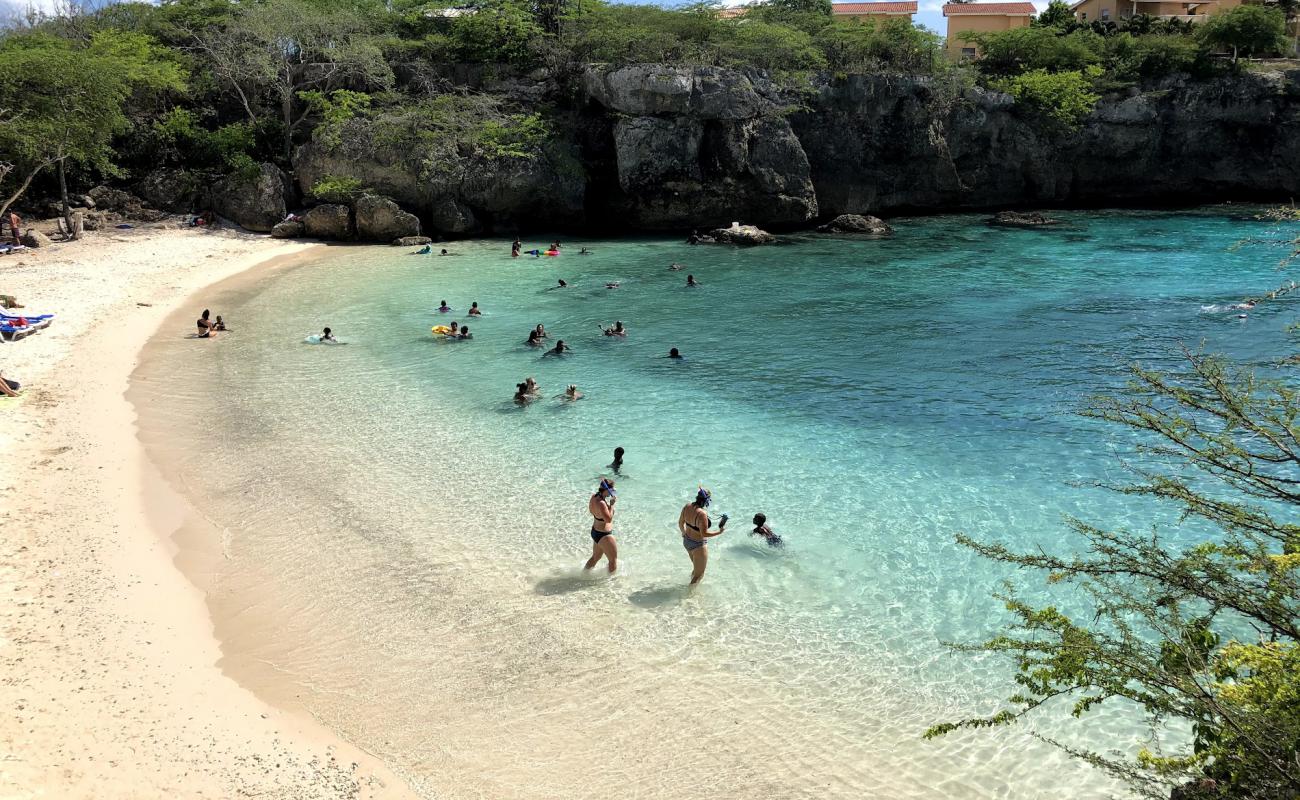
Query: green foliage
point(1252, 30)
point(773, 47)
point(517, 136)
point(1057, 15)
point(1133, 58)
point(66, 100)
point(628, 34)
point(500, 32)
point(1035, 48)
point(1202, 635)
point(177, 135)
point(1063, 97)
point(867, 46)
point(337, 189)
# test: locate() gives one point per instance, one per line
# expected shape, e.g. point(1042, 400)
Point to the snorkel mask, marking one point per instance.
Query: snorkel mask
point(703, 496)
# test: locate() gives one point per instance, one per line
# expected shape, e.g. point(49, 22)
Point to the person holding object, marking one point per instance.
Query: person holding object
point(601, 507)
point(693, 524)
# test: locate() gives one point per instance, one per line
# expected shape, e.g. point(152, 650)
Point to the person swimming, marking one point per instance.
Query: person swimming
point(612, 285)
point(761, 528)
point(617, 330)
point(617, 465)
point(555, 245)
point(560, 349)
point(675, 266)
point(534, 339)
point(563, 284)
point(695, 519)
point(534, 253)
point(444, 252)
point(423, 251)
point(531, 387)
point(521, 394)
point(473, 310)
point(690, 281)
point(327, 336)
point(674, 353)
point(444, 308)
point(572, 393)
point(464, 333)
point(584, 252)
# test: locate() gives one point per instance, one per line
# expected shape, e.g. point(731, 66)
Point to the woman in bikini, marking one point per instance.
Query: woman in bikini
point(601, 506)
point(693, 524)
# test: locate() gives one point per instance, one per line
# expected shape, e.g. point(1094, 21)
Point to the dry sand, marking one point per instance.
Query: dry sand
point(108, 680)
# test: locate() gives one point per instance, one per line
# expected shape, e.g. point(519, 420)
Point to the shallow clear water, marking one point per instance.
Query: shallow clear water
point(401, 542)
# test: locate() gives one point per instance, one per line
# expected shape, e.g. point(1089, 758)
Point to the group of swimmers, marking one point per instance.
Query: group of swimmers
point(208, 327)
point(693, 524)
point(528, 391)
point(516, 248)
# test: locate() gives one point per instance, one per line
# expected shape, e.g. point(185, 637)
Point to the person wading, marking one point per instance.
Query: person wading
point(601, 507)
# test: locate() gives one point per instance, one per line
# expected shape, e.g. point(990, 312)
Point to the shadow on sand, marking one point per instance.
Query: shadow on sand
point(660, 596)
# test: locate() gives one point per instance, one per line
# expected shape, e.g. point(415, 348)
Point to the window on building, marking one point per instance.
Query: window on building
point(968, 53)
point(1083, 16)
point(1105, 14)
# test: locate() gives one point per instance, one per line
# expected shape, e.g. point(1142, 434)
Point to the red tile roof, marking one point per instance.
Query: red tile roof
point(877, 7)
point(989, 9)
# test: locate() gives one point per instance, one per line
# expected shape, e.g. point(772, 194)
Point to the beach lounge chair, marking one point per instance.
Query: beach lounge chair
point(36, 321)
point(13, 332)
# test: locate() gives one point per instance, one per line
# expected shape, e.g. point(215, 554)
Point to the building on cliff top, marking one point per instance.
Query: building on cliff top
point(983, 18)
point(1107, 10)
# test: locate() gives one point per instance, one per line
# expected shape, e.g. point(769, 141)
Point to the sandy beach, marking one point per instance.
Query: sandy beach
point(109, 684)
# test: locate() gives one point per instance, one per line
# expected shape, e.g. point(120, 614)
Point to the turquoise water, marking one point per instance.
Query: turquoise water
point(401, 541)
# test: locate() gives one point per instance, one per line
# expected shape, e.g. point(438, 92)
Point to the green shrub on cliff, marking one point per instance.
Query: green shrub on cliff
point(1133, 58)
point(1064, 98)
point(772, 47)
point(1252, 30)
point(870, 46)
point(1023, 49)
point(337, 189)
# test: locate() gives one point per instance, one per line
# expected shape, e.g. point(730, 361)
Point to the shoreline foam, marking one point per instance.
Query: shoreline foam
point(111, 680)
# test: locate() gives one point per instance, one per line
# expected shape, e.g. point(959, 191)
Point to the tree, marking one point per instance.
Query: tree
point(277, 49)
point(1195, 630)
point(1254, 30)
point(1057, 15)
point(67, 98)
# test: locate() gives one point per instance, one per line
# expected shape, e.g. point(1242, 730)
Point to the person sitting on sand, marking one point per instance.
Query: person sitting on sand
point(219, 325)
point(444, 308)
point(572, 393)
point(617, 330)
point(205, 325)
point(10, 301)
point(693, 524)
point(327, 336)
point(560, 349)
point(674, 353)
point(9, 388)
point(473, 310)
point(617, 465)
point(761, 528)
point(690, 281)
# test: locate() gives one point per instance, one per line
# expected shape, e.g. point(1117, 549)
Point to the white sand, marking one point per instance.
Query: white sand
point(108, 680)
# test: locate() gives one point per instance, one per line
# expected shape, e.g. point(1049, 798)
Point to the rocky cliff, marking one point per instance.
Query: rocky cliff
point(655, 147)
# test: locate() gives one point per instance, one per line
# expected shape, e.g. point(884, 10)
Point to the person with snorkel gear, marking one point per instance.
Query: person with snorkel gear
point(601, 506)
point(693, 524)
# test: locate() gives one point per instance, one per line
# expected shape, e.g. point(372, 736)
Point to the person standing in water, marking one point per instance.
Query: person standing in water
point(601, 507)
point(515, 247)
point(693, 524)
point(473, 309)
point(617, 466)
point(690, 281)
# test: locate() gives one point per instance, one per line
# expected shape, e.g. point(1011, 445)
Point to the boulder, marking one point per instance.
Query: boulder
point(857, 223)
point(1017, 219)
point(412, 241)
point(34, 238)
point(379, 219)
point(744, 235)
point(450, 215)
point(176, 191)
point(329, 221)
point(254, 202)
point(108, 199)
point(289, 229)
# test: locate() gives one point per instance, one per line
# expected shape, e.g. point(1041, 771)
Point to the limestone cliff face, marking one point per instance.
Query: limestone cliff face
point(653, 147)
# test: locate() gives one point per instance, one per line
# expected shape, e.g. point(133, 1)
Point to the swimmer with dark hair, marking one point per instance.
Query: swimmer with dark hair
point(690, 281)
point(464, 333)
point(761, 528)
point(617, 330)
point(674, 266)
point(617, 465)
point(584, 252)
point(327, 336)
point(674, 353)
point(612, 285)
point(563, 284)
point(473, 309)
point(444, 308)
point(560, 349)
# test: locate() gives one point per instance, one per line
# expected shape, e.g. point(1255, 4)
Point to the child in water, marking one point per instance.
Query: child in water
point(761, 528)
point(617, 466)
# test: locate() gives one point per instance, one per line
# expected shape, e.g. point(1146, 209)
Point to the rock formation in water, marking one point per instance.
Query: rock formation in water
point(655, 147)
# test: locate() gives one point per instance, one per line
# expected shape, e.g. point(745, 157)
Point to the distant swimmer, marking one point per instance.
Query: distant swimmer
point(560, 349)
point(761, 528)
point(473, 310)
point(584, 252)
point(612, 285)
point(675, 266)
point(514, 248)
point(423, 251)
point(674, 353)
point(534, 253)
point(693, 524)
point(521, 394)
point(464, 333)
point(327, 336)
point(571, 393)
point(617, 330)
point(617, 465)
point(531, 387)
point(455, 329)
point(444, 252)
point(601, 508)
point(534, 338)
point(444, 308)
point(690, 281)
point(563, 284)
